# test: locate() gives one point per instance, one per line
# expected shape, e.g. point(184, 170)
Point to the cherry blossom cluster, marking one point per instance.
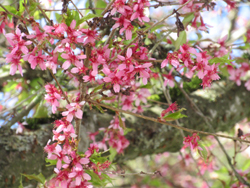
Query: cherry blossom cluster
point(219, 49)
point(53, 96)
point(188, 57)
point(128, 12)
point(192, 141)
point(70, 166)
point(113, 135)
point(172, 107)
point(195, 7)
point(120, 72)
point(237, 73)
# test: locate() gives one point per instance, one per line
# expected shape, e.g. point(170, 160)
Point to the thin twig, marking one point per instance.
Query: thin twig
point(110, 36)
point(65, 96)
point(50, 10)
point(19, 104)
point(76, 7)
point(107, 8)
point(25, 111)
point(44, 14)
point(165, 123)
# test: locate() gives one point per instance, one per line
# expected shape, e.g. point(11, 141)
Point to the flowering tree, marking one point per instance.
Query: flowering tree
point(117, 83)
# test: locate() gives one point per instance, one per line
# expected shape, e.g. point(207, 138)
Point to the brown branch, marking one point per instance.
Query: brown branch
point(25, 111)
point(107, 8)
point(48, 10)
point(165, 123)
point(65, 96)
point(76, 7)
point(44, 14)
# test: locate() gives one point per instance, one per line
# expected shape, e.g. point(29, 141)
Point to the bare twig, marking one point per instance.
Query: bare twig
point(20, 103)
point(50, 10)
point(44, 14)
point(76, 7)
point(165, 123)
point(107, 8)
point(65, 96)
point(25, 111)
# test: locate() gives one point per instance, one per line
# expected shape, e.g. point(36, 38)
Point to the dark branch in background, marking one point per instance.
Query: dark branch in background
point(25, 111)
point(165, 123)
point(200, 113)
point(91, 6)
point(65, 6)
point(178, 23)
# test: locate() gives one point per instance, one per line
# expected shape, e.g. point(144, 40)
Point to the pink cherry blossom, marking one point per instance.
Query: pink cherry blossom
point(74, 109)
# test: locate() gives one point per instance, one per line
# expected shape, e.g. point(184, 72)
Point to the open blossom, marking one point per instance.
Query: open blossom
point(192, 141)
point(37, 59)
point(53, 96)
point(79, 174)
point(119, 6)
point(172, 107)
point(20, 127)
point(18, 47)
point(74, 109)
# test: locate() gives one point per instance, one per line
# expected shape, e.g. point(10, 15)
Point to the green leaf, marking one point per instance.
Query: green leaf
point(87, 17)
point(188, 18)
point(97, 88)
point(10, 86)
point(32, 7)
point(203, 152)
point(154, 97)
point(36, 83)
point(41, 111)
point(21, 7)
point(96, 159)
point(95, 180)
point(100, 4)
point(182, 39)
point(10, 9)
point(221, 60)
point(174, 116)
point(109, 98)
point(113, 153)
point(106, 177)
point(99, 108)
point(121, 123)
point(59, 17)
point(148, 41)
point(127, 130)
point(40, 178)
point(157, 27)
point(51, 162)
point(21, 182)
point(148, 86)
point(71, 15)
point(155, 182)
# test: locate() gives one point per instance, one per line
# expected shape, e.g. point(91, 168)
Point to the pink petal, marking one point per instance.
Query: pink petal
point(84, 160)
point(86, 176)
point(116, 88)
point(78, 114)
point(66, 65)
point(73, 24)
point(69, 117)
point(129, 52)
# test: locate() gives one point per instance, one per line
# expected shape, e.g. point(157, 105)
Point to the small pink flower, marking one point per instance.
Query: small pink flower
point(192, 141)
point(74, 109)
